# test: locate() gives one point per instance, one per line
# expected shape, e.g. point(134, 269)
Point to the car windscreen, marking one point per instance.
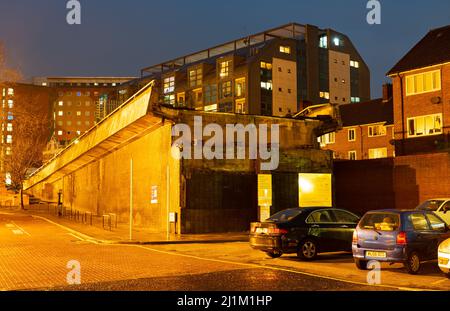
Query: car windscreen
point(285, 215)
point(430, 205)
point(380, 221)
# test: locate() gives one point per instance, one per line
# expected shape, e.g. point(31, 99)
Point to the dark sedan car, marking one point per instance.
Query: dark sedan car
point(305, 231)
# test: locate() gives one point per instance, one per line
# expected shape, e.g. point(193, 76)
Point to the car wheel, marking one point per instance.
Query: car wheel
point(361, 264)
point(274, 254)
point(412, 263)
point(307, 250)
point(447, 275)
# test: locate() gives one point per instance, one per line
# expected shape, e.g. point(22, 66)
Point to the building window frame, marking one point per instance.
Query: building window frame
point(423, 122)
point(425, 82)
point(376, 130)
point(351, 134)
point(378, 153)
point(352, 155)
point(169, 85)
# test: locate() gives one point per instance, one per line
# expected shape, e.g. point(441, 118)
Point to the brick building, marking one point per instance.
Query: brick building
point(277, 72)
point(16, 97)
point(421, 82)
point(366, 130)
point(80, 102)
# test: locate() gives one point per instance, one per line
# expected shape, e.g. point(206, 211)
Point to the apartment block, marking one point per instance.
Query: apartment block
point(421, 82)
point(277, 72)
point(80, 102)
point(367, 130)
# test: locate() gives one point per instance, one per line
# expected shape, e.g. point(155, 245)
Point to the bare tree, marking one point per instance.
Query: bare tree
point(27, 124)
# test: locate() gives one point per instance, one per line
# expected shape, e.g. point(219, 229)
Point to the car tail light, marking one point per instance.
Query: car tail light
point(401, 238)
point(355, 237)
point(277, 231)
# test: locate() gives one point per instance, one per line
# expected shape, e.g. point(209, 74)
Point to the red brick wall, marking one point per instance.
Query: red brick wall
point(402, 182)
point(417, 105)
point(362, 143)
point(421, 177)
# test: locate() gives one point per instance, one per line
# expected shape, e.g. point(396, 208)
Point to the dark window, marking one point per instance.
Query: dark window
point(322, 216)
point(345, 217)
point(285, 215)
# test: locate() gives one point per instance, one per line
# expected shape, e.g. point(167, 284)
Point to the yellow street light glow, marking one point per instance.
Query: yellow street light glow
point(305, 185)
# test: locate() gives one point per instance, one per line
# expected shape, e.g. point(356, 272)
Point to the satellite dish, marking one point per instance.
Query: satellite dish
point(436, 100)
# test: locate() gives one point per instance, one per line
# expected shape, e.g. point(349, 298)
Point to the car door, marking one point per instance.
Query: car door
point(322, 226)
point(421, 236)
point(346, 223)
point(444, 212)
point(438, 233)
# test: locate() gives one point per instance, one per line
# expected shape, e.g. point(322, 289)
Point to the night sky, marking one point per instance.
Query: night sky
point(119, 37)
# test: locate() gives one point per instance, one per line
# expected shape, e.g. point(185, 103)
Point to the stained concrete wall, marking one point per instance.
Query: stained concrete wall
point(103, 186)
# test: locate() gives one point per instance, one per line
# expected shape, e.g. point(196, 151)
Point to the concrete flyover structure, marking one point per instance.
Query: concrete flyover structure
point(124, 165)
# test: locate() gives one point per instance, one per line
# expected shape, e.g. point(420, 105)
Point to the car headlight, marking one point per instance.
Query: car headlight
point(445, 247)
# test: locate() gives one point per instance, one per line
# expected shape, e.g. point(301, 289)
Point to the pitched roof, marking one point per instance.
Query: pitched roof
point(433, 49)
point(373, 111)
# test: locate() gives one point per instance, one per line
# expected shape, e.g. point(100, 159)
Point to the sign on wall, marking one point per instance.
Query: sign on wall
point(264, 196)
point(154, 195)
point(315, 190)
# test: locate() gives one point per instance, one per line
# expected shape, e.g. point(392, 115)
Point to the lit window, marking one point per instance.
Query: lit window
point(351, 135)
point(8, 151)
point(377, 130)
point(9, 139)
point(78, 94)
point(378, 153)
point(224, 69)
point(355, 99)
point(336, 41)
point(10, 104)
point(195, 77)
point(325, 95)
point(240, 106)
point(425, 125)
point(225, 90)
point(352, 155)
point(78, 132)
point(240, 87)
point(354, 64)
point(169, 85)
point(211, 108)
point(267, 85)
point(60, 113)
point(323, 42)
point(285, 49)
point(10, 116)
point(113, 84)
point(9, 127)
point(169, 99)
point(423, 82)
point(10, 91)
point(78, 113)
point(265, 65)
point(60, 103)
point(327, 139)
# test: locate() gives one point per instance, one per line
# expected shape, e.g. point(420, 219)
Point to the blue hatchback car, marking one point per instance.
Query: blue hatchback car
point(398, 236)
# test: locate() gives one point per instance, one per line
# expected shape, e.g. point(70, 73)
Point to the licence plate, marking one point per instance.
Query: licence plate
point(376, 254)
point(443, 261)
point(262, 230)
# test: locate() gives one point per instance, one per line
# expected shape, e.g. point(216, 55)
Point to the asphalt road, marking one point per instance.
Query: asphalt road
point(34, 255)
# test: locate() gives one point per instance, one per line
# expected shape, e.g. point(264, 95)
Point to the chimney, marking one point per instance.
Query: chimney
point(387, 91)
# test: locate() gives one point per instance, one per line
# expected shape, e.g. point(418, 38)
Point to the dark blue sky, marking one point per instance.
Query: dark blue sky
point(119, 37)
